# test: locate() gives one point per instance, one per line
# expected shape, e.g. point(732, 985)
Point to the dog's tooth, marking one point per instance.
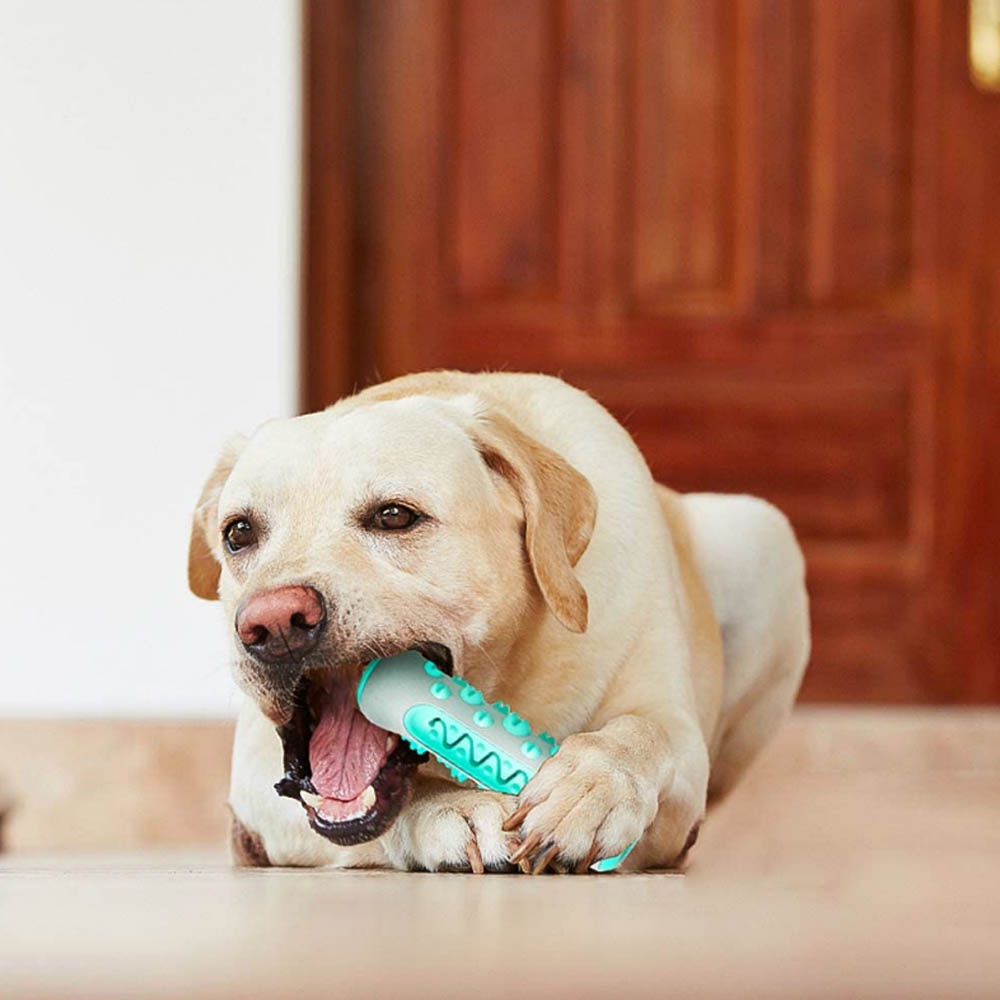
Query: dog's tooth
point(368, 798)
point(390, 741)
point(310, 799)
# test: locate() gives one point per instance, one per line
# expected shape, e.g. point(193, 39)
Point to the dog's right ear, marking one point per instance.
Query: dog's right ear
point(203, 566)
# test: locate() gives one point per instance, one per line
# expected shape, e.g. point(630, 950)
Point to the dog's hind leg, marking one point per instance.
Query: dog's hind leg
point(754, 571)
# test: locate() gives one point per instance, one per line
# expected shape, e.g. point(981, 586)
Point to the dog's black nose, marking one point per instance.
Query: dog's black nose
point(281, 624)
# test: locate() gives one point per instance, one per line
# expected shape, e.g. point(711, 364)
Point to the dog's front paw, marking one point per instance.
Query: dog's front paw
point(581, 806)
point(453, 829)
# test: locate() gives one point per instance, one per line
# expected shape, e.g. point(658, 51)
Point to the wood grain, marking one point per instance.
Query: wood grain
point(681, 110)
point(503, 184)
point(329, 352)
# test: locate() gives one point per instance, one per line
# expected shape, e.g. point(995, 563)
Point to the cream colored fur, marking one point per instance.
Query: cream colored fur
point(662, 660)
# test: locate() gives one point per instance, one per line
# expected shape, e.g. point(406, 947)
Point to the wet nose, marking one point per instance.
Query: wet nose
point(280, 624)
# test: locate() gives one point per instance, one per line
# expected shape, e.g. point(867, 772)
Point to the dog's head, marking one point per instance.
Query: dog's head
point(373, 527)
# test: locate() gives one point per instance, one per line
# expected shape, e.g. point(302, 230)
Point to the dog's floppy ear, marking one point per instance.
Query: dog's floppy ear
point(203, 567)
point(560, 508)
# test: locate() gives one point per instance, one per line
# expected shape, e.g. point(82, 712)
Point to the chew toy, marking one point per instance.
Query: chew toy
point(449, 718)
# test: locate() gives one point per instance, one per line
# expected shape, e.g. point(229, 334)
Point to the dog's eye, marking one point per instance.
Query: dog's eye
point(394, 517)
point(239, 534)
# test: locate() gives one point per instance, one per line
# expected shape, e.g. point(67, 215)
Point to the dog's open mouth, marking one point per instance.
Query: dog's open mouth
point(352, 777)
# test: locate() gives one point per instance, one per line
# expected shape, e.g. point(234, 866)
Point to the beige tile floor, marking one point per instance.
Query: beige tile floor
point(860, 859)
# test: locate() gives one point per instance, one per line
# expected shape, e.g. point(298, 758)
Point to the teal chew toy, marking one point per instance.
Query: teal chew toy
point(449, 718)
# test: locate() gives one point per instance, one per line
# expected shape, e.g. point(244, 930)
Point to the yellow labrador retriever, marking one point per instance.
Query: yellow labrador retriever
point(508, 526)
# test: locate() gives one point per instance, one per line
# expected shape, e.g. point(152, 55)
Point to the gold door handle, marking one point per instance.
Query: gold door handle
point(984, 43)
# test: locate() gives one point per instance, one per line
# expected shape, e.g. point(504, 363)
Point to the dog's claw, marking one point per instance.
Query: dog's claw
point(516, 818)
point(542, 860)
point(513, 843)
point(584, 866)
point(527, 847)
point(475, 858)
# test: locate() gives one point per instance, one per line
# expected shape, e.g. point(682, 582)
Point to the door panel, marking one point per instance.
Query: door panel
point(727, 222)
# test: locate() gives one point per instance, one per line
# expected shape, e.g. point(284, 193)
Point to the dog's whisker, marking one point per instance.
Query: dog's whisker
point(371, 649)
point(482, 649)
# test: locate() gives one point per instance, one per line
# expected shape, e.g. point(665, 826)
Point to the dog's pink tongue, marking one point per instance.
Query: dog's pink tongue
point(346, 751)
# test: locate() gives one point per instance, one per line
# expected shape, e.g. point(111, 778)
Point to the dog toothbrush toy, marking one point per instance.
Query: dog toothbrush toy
point(450, 719)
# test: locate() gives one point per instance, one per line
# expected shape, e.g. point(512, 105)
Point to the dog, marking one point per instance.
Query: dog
point(508, 526)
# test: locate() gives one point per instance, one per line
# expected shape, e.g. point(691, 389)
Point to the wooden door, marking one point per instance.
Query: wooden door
point(764, 233)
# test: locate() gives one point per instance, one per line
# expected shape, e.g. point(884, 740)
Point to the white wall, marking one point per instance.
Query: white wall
point(148, 277)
